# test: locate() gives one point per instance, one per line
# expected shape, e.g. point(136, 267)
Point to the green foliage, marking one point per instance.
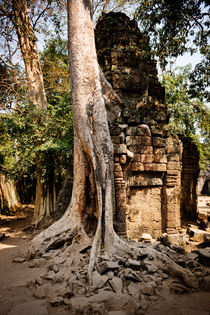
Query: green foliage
point(29, 131)
point(177, 27)
point(189, 116)
point(175, 24)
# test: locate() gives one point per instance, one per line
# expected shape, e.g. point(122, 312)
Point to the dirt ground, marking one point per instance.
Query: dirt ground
point(16, 298)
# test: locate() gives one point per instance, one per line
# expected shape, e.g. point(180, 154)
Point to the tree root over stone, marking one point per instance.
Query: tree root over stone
point(72, 242)
point(124, 280)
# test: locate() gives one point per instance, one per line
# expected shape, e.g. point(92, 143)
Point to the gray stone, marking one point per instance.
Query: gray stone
point(134, 264)
point(116, 284)
point(66, 292)
point(55, 268)
point(191, 264)
point(131, 275)
point(197, 235)
point(47, 256)
point(41, 292)
point(99, 281)
point(56, 301)
point(177, 248)
point(204, 253)
point(50, 275)
point(146, 237)
point(105, 266)
point(37, 263)
point(19, 260)
point(148, 288)
point(150, 267)
point(59, 260)
point(192, 256)
point(176, 238)
point(133, 289)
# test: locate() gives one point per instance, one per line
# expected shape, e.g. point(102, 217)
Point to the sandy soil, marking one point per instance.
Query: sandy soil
point(15, 278)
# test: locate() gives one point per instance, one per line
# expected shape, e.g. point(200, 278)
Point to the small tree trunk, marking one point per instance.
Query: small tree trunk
point(45, 196)
point(8, 195)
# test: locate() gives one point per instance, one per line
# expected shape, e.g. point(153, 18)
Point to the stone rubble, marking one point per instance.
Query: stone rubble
point(119, 285)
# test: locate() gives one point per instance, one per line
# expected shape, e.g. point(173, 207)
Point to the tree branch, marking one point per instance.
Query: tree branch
point(39, 16)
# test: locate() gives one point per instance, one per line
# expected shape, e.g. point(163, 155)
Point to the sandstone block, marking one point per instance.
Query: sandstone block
point(143, 130)
point(173, 146)
point(176, 238)
point(138, 140)
point(173, 165)
point(174, 157)
point(155, 182)
point(120, 148)
point(131, 131)
point(148, 288)
point(105, 266)
point(154, 167)
point(144, 180)
point(158, 142)
point(118, 175)
point(137, 167)
point(160, 155)
point(141, 149)
point(98, 280)
point(146, 158)
point(116, 284)
point(156, 131)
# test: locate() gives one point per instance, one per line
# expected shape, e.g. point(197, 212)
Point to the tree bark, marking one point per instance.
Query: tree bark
point(90, 213)
point(45, 193)
point(9, 200)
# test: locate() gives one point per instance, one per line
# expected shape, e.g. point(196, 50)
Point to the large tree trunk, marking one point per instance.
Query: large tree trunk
point(45, 194)
point(89, 216)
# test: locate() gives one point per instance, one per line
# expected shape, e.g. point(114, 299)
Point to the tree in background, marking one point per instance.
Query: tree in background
point(55, 134)
point(177, 27)
point(189, 116)
point(15, 17)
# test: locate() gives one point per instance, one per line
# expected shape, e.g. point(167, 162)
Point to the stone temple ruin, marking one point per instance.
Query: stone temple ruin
point(156, 188)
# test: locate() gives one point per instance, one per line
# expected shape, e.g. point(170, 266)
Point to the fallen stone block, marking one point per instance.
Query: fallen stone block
point(105, 266)
point(197, 235)
point(19, 260)
point(99, 281)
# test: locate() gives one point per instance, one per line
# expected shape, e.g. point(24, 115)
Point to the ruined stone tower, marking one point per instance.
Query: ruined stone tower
point(147, 184)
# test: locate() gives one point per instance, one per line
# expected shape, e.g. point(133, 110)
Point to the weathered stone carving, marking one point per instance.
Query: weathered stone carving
point(147, 183)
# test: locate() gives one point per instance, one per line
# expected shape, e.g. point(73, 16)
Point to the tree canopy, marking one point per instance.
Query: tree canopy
point(189, 116)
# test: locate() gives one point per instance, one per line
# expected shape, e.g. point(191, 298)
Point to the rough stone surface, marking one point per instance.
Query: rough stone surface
point(148, 186)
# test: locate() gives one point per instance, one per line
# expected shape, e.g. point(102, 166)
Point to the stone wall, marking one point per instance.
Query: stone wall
point(147, 157)
point(189, 179)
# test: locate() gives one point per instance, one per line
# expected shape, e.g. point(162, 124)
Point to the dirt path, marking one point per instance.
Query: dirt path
point(15, 278)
